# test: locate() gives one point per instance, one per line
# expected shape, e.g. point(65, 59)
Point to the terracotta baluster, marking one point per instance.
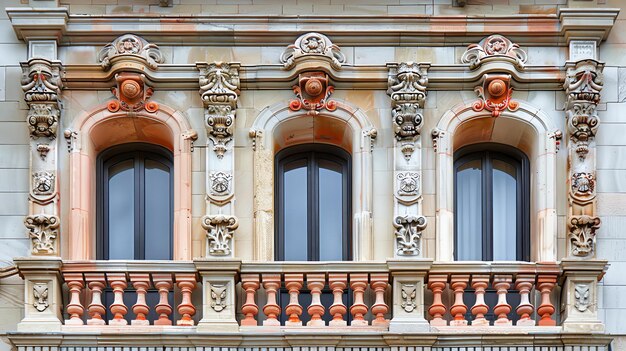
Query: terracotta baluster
point(74, 308)
point(271, 283)
point(338, 283)
point(163, 282)
point(117, 281)
point(96, 283)
point(358, 283)
point(293, 283)
point(186, 282)
point(458, 283)
point(524, 283)
point(250, 283)
point(502, 283)
point(480, 308)
point(379, 282)
point(546, 283)
point(315, 283)
point(436, 283)
point(141, 283)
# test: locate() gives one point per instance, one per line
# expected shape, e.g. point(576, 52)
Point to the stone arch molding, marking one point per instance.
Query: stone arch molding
point(362, 134)
point(100, 128)
point(541, 150)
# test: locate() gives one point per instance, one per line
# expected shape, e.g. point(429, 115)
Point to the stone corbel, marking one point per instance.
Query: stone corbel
point(131, 94)
point(582, 86)
point(130, 51)
point(494, 95)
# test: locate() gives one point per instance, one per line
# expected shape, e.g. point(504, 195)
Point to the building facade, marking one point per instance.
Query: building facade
point(321, 175)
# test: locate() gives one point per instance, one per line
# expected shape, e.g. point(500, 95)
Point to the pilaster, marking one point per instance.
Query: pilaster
point(219, 307)
point(408, 278)
point(579, 301)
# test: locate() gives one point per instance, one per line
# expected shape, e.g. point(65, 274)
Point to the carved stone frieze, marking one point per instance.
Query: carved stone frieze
point(43, 230)
point(582, 234)
point(583, 85)
point(408, 234)
point(219, 89)
point(312, 44)
point(132, 93)
point(220, 230)
point(41, 83)
point(582, 294)
point(40, 296)
point(218, 297)
point(133, 46)
point(409, 295)
point(494, 95)
point(43, 183)
point(494, 46)
point(313, 93)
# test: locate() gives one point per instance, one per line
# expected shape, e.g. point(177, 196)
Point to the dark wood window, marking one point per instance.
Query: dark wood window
point(491, 203)
point(135, 202)
point(313, 203)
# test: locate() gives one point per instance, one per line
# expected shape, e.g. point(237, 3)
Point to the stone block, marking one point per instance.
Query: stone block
point(13, 204)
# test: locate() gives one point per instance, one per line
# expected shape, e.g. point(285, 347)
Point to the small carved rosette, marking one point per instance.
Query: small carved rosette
point(220, 230)
point(408, 234)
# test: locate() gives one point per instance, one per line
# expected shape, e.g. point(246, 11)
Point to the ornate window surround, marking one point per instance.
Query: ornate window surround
point(266, 131)
point(457, 128)
point(169, 129)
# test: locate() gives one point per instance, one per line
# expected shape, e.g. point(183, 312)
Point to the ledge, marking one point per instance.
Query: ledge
point(254, 30)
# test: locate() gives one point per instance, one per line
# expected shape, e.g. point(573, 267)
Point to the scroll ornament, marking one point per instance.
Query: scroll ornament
point(408, 234)
point(494, 46)
point(313, 93)
point(43, 231)
point(312, 44)
point(220, 230)
point(132, 93)
point(495, 95)
point(133, 46)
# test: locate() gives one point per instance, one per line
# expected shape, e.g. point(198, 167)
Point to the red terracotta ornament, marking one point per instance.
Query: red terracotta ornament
point(132, 93)
point(313, 93)
point(495, 95)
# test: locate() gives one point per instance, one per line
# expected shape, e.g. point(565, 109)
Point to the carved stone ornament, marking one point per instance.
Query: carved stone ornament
point(437, 134)
point(582, 234)
point(43, 183)
point(495, 95)
point(408, 234)
point(218, 297)
point(132, 93)
point(40, 296)
point(41, 84)
point(220, 185)
point(494, 46)
point(583, 85)
point(582, 294)
point(409, 294)
point(219, 89)
point(133, 46)
point(312, 44)
point(313, 93)
point(220, 230)
point(43, 230)
point(408, 183)
point(583, 185)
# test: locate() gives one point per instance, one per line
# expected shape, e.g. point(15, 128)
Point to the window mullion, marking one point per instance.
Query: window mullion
point(139, 205)
point(488, 207)
point(313, 209)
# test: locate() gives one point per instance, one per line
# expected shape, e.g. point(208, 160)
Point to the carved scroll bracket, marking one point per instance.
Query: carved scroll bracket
point(220, 230)
point(43, 231)
point(409, 234)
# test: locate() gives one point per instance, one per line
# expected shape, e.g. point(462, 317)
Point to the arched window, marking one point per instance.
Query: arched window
point(313, 203)
point(135, 202)
point(491, 187)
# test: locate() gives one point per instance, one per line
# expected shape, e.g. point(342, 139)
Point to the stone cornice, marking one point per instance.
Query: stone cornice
point(440, 77)
point(36, 23)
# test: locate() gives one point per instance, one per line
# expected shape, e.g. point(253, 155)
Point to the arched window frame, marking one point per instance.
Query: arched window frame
point(487, 152)
point(311, 152)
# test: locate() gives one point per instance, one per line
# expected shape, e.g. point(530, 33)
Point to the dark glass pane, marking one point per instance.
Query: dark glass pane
point(295, 218)
point(121, 210)
point(158, 226)
point(469, 215)
point(331, 211)
point(504, 211)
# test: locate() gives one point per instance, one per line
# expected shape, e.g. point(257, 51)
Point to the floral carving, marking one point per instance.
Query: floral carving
point(130, 45)
point(495, 95)
point(218, 297)
point(582, 234)
point(220, 230)
point(409, 294)
point(42, 85)
point(313, 93)
point(43, 230)
point(408, 234)
point(43, 183)
point(132, 93)
point(494, 45)
point(40, 294)
point(219, 89)
point(315, 44)
point(582, 293)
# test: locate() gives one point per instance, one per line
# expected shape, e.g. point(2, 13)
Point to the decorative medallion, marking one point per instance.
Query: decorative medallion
point(313, 93)
point(312, 44)
point(40, 295)
point(132, 93)
point(409, 295)
point(408, 183)
point(218, 297)
point(582, 294)
point(133, 46)
point(495, 95)
point(494, 46)
point(43, 183)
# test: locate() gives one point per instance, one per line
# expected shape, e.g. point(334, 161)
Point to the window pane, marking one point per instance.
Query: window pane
point(469, 215)
point(330, 211)
point(158, 225)
point(295, 211)
point(504, 211)
point(121, 208)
